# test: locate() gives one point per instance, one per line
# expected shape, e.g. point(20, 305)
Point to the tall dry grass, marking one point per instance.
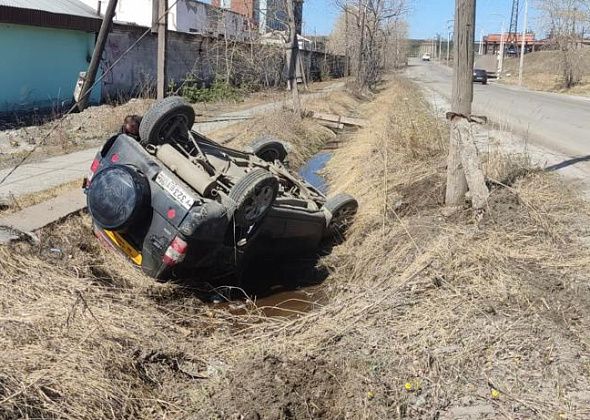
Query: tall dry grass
point(543, 70)
point(426, 314)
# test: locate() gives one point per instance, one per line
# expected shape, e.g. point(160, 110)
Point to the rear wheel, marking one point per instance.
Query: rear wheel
point(342, 209)
point(268, 149)
point(168, 118)
point(118, 196)
point(253, 195)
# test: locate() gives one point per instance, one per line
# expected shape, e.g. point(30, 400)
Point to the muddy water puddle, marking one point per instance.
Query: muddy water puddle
point(295, 287)
point(287, 304)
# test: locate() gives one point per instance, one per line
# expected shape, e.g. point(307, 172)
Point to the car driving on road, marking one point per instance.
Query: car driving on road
point(481, 76)
point(176, 202)
point(426, 57)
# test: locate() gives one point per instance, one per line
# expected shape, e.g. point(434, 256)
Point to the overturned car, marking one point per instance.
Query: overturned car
point(176, 202)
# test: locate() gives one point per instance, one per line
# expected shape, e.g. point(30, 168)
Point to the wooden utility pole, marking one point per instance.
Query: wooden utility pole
point(360, 77)
point(101, 41)
point(162, 20)
point(346, 55)
point(293, 50)
point(464, 167)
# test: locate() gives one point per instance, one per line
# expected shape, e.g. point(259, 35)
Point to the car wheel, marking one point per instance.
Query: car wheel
point(117, 197)
point(268, 149)
point(253, 195)
point(342, 209)
point(169, 117)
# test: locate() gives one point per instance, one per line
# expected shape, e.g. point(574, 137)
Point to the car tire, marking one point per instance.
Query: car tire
point(268, 149)
point(171, 116)
point(253, 195)
point(342, 208)
point(118, 196)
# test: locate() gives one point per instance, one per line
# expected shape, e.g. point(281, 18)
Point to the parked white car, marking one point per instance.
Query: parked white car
point(426, 57)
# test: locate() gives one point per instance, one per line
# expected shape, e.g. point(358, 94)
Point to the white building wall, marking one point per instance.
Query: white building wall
point(138, 12)
point(188, 16)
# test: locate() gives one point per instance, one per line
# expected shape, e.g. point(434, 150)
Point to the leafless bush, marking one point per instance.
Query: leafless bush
point(564, 19)
point(371, 33)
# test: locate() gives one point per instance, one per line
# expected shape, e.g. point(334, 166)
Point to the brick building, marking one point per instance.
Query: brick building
point(268, 15)
point(492, 42)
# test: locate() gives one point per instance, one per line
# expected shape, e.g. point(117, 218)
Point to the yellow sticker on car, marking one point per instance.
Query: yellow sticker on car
point(125, 246)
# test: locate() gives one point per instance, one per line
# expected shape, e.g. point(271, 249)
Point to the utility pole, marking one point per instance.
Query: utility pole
point(440, 39)
point(346, 56)
point(463, 165)
point(523, 44)
point(448, 46)
point(162, 20)
point(502, 47)
point(293, 52)
point(480, 42)
point(101, 41)
point(449, 40)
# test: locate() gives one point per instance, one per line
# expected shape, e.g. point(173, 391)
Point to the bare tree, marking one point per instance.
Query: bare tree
point(565, 21)
point(365, 30)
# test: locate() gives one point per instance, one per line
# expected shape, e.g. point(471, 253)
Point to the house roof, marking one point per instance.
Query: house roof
point(64, 7)
point(65, 14)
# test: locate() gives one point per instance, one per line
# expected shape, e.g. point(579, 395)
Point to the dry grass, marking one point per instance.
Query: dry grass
point(304, 137)
point(542, 71)
point(426, 313)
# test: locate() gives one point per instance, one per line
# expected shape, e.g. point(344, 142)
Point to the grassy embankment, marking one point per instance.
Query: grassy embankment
point(426, 313)
point(543, 71)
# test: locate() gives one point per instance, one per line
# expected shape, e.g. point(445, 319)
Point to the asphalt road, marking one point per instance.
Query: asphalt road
point(555, 122)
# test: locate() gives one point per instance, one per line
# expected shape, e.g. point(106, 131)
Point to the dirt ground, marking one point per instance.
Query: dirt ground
point(426, 316)
point(542, 71)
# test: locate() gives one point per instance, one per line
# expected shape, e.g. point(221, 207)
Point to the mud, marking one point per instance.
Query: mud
point(281, 388)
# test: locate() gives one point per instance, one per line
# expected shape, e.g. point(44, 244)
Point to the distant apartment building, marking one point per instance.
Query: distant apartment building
point(188, 16)
point(267, 15)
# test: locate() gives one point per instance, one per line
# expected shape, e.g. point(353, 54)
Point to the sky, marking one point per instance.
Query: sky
point(426, 17)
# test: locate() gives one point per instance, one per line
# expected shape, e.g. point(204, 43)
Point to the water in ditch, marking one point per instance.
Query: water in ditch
point(292, 288)
point(311, 171)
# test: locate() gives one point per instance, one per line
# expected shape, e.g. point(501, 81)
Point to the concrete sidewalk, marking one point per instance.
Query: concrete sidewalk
point(40, 176)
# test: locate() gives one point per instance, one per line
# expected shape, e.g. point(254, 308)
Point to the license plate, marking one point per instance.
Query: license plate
point(175, 190)
point(124, 246)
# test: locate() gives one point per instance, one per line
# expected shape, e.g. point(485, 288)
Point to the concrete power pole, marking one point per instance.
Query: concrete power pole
point(162, 21)
point(523, 45)
point(449, 26)
point(501, 57)
point(101, 41)
point(464, 167)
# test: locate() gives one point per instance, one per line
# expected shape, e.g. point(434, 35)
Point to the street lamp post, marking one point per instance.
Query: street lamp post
point(501, 52)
